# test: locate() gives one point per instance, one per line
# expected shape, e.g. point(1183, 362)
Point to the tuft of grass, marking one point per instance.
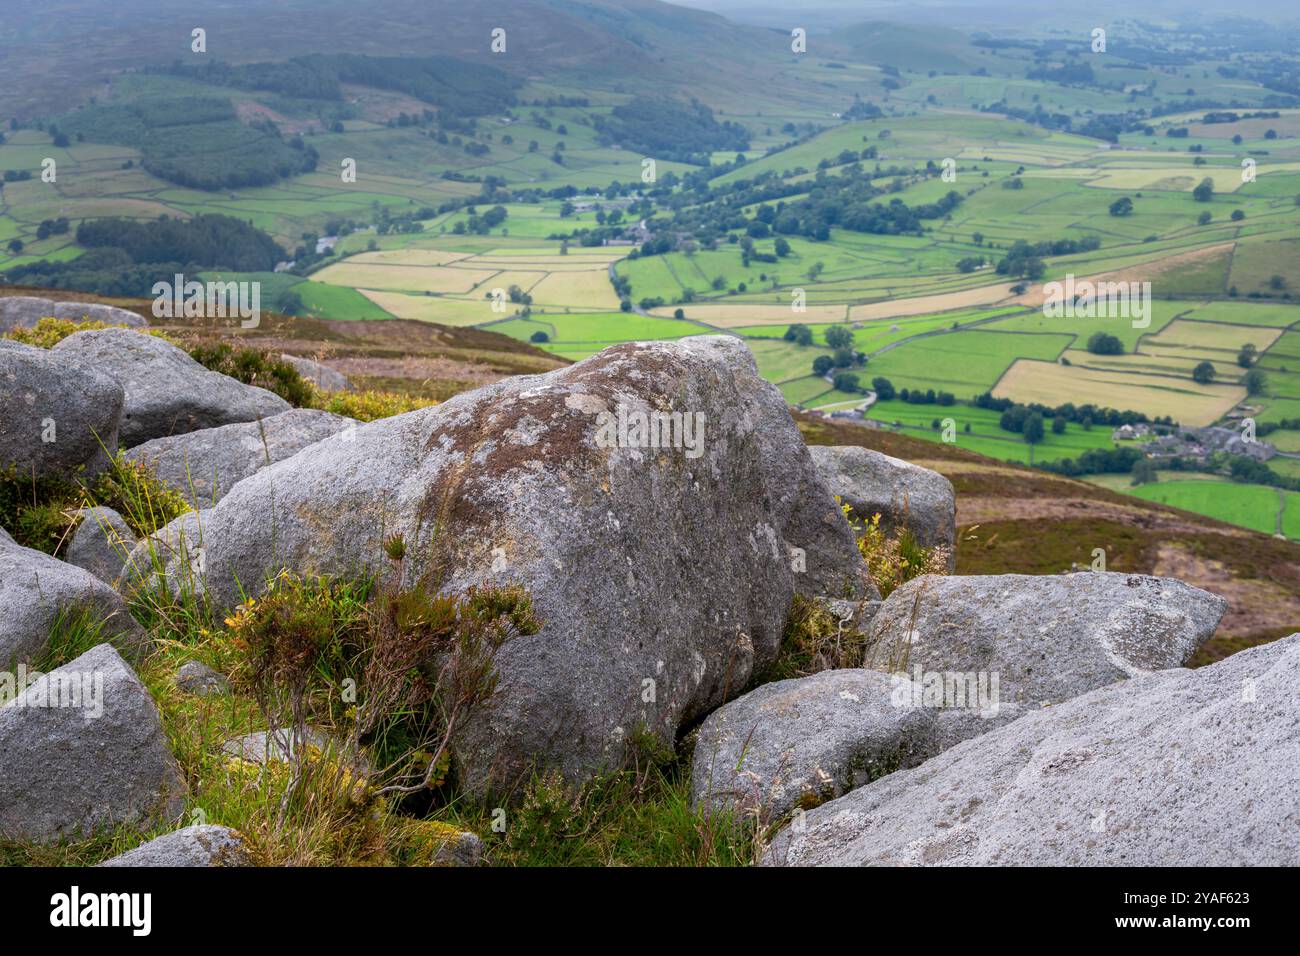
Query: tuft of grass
point(368, 406)
point(815, 640)
point(258, 367)
point(40, 513)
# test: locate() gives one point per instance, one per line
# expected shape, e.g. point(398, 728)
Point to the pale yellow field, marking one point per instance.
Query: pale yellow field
point(591, 288)
point(404, 278)
point(1171, 362)
point(1030, 380)
point(409, 257)
point(1226, 180)
point(431, 308)
point(1188, 336)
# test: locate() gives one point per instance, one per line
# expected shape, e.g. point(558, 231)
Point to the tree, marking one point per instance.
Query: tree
point(1247, 356)
point(1058, 424)
point(839, 337)
point(1203, 374)
point(1144, 471)
point(1034, 428)
point(781, 246)
point(799, 334)
point(538, 337)
point(1237, 215)
point(679, 313)
point(1103, 343)
point(16, 246)
point(846, 382)
point(883, 388)
point(1204, 191)
point(289, 302)
point(1256, 382)
point(1121, 207)
point(1203, 218)
point(822, 364)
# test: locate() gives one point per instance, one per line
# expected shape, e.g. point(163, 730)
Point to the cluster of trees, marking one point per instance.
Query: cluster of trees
point(460, 86)
point(1025, 259)
point(1086, 415)
point(666, 128)
point(126, 256)
point(1097, 461)
point(196, 141)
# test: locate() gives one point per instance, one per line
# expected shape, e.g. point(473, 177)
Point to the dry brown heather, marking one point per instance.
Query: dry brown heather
point(1017, 520)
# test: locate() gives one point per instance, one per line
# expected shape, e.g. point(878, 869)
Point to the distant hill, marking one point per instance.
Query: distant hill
point(917, 48)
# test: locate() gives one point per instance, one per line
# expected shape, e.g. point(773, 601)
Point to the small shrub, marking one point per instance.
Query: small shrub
point(256, 367)
point(368, 406)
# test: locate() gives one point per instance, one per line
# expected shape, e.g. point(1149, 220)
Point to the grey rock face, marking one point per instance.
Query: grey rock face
point(197, 678)
point(74, 769)
point(101, 543)
point(1173, 768)
point(1047, 637)
point(801, 742)
point(462, 849)
point(202, 845)
point(903, 494)
point(58, 415)
point(24, 311)
point(646, 564)
point(320, 375)
point(38, 591)
point(268, 746)
point(167, 392)
point(204, 465)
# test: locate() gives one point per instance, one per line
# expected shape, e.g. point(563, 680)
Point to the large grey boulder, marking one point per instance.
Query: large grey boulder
point(204, 465)
point(904, 495)
point(24, 311)
point(319, 374)
point(1047, 637)
point(84, 749)
point(664, 576)
point(204, 844)
point(167, 392)
point(1173, 768)
point(101, 544)
point(59, 416)
point(38, 591)
point(797, 743)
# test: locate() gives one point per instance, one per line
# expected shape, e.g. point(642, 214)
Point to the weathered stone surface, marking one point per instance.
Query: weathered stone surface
point(903, 494)
point(1047, 637)
point(201, 845)
point(671, 565)
point(56, 415)
point(24, 311)
point(1173, 768)
point(74, 769)
point(801, 742)
point(267, 746)
point(37, 591)
point(101, 543)
point(167, 392)
point(203, 465)
point(319, 374)
point(196, 677)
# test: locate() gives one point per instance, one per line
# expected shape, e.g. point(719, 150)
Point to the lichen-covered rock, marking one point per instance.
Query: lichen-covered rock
point(1173, 768)
point(203, 465)
point(200, 845)
point(197, 678)
point(83, 748)
point(1047, 637)
point(797, 743)
point(167, 392)
point(57, 416)
point(101, 544)
point(904, 495)
point(38, 591)
point(274, 746)
point(319, 374)
point(24, 311)
point(663, 575)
